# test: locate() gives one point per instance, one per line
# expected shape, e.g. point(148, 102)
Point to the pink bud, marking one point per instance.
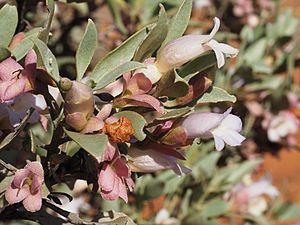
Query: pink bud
point(79, 103)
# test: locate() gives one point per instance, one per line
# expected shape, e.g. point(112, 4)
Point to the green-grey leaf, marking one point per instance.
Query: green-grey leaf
point(6, 182)
point(200, 64)
point(48, 59)
point(8, 24)
point(175, 113)
point(155, 37)
point(120, 55)
point(180, 22)
point(138, 123)
point(86, 49)
point(94, 144)
point(4, 53)
point(242, 170)
point(23, 46)
point(292, 212)
point(172, 85)
point(214, 208)
point(117, 72)
point(216, 94)
point(42, 137)
point(206, 165)
point(116, 7)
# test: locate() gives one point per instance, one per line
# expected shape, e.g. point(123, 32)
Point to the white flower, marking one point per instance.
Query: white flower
point(282, 125)
point(250, 198)
point(224, 128)
point(183, 49)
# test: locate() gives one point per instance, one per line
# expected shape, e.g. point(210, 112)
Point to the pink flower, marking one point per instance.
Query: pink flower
point(79, 103)
point(14, 79)
point(114, 177)
point(156, 158)
point(224, 128)
point(27, 187)
point(135, 91)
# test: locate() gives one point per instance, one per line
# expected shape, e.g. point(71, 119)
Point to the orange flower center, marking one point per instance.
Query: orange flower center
point(120, 131)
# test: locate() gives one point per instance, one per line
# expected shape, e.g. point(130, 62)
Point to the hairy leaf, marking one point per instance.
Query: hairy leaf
point(86, 49)
point(95, 144)
point(8, 24)
point(117, 57)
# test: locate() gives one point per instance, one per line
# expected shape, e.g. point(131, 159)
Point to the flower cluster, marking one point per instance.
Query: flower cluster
point(131, 125)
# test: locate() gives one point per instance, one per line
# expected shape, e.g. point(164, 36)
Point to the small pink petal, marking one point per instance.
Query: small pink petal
point(11, 89)
point(145, 101)
point(33, 203)
point(9, 68)
point(121, 168)
point(36, 168)
point(114, 193)
point(20, 176)
point(107, 178)
point(93, 124)
point(130, 184)
point(123, 190)
point(14, 195)
point(139, 84)
point(104, 112)
point(109, 152)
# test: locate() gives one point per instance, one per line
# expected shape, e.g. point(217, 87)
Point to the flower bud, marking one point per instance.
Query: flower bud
point(79, 103)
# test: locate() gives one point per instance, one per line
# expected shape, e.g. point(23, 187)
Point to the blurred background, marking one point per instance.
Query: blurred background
point(257, 183)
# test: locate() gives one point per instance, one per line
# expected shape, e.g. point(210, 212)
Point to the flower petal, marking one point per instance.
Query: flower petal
point(219, 143)
point(36, 168)
point(20, 176)
point(199, 124)
point(93, 124)
point(9, 69)
point(14, 195)
point(228, 50)
point(104, 112)
point(215, 28)
point(232, 122)
point(121, 168)
point(215, 46)
point(107, 178)
point(139, 84)
point(12, 88)
point(145, 100)
point(33, 203)
point(230, 137)
point(123, 190)
point(114, 193)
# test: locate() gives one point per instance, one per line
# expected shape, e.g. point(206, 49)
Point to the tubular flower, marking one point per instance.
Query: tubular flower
point(224, 128)
point(114, 177)
point(79, 103)
point(183, 49)
point(14, 79)
point(151, 160)
point(27, 187)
